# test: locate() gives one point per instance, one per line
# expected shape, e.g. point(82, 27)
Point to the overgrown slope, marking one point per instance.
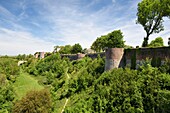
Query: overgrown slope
point(89, 89)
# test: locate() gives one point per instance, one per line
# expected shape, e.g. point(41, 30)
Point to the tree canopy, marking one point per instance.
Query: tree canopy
point(111, 40)
point(68, 49)
point(76, 48)
point(150, 15)
point(158, 42)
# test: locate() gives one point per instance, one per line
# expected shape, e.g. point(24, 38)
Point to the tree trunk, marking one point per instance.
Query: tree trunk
point(145, 41)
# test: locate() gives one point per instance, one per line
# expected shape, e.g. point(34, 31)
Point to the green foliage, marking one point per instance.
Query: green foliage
point(115, 39)
point(146, 90)
point(68, 49)
point(90, 89)
point(111, 40)
point(24, 57)
point(34, 102)
point(150, 16)
point(25, 83)
point(76, 48)
point(165, 5)
point(6, 94)
point(165, 68)
point(158, 42)
point(65, 49)
point(8, 66)
point(156, 62)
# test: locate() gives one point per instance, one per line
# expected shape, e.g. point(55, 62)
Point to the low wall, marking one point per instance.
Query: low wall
point(80, 55)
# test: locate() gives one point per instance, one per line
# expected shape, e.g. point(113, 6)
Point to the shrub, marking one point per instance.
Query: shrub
point(34, 102)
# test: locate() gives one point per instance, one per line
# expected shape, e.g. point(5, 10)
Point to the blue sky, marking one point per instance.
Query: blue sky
point(27, 26)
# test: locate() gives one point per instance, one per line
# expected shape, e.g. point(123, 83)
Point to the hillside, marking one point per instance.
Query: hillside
point(83, 86)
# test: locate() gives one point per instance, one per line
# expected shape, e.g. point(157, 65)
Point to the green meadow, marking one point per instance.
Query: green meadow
point(25, 83)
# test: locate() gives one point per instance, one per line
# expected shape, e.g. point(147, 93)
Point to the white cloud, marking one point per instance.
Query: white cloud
point(14, 42)
point(69, 22)
point(134, 33)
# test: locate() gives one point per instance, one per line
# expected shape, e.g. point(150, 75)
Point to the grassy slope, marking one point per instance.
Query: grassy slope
point(25, 83)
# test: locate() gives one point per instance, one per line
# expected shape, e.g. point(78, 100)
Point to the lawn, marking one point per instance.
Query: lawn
point(25, 83)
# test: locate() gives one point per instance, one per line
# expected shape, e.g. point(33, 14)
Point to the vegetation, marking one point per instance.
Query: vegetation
point(34, 102)
point(76, 49)
point(68, 49)
point(86, 87)
point(111, 40)
point(25, 83)
point(158, 42)
point(150, 15)
point(53, 85)
point(90, 89)
point(8, 73)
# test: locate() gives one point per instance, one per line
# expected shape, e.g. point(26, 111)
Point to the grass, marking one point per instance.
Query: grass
point(25, 83)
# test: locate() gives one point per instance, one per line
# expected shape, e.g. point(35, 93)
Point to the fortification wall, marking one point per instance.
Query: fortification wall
point(95, 55)
point(119, 57)
point(80, 55)
point(134, 57)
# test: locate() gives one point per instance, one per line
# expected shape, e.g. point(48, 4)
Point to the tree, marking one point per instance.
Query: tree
point(150, 16)
point(111, 40)
point(56, 48)
point(65, 49)
point(115, 39)
point(76, 48)
point(34, 102)
point(99, 44)
point(165, 5)
point(158, 42)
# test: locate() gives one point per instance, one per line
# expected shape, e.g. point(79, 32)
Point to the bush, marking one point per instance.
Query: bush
point(6, 94)
point(34, 102)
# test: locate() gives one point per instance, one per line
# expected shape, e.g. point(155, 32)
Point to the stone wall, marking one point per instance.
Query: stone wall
point(119, 57)
point(80, 55)
point(134, 57)
point(73, 56)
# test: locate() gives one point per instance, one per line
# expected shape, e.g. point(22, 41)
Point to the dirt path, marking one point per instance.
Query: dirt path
point(64, 106)
point(68, 77)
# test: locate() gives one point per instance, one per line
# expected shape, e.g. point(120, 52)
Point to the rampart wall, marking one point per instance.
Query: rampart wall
point(134, 57)
point(80, 55)
point(119, 57)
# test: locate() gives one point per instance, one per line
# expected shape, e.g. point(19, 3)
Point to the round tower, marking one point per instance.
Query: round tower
point(113, 58)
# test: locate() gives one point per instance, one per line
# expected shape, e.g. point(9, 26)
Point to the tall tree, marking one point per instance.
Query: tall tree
point(99, 44)
point(111, 40)
point(65, 49)
point(76, 48)
point(115, 39)
point(150, 16)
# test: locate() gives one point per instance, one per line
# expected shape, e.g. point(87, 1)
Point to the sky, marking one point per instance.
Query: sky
point(29, 26)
